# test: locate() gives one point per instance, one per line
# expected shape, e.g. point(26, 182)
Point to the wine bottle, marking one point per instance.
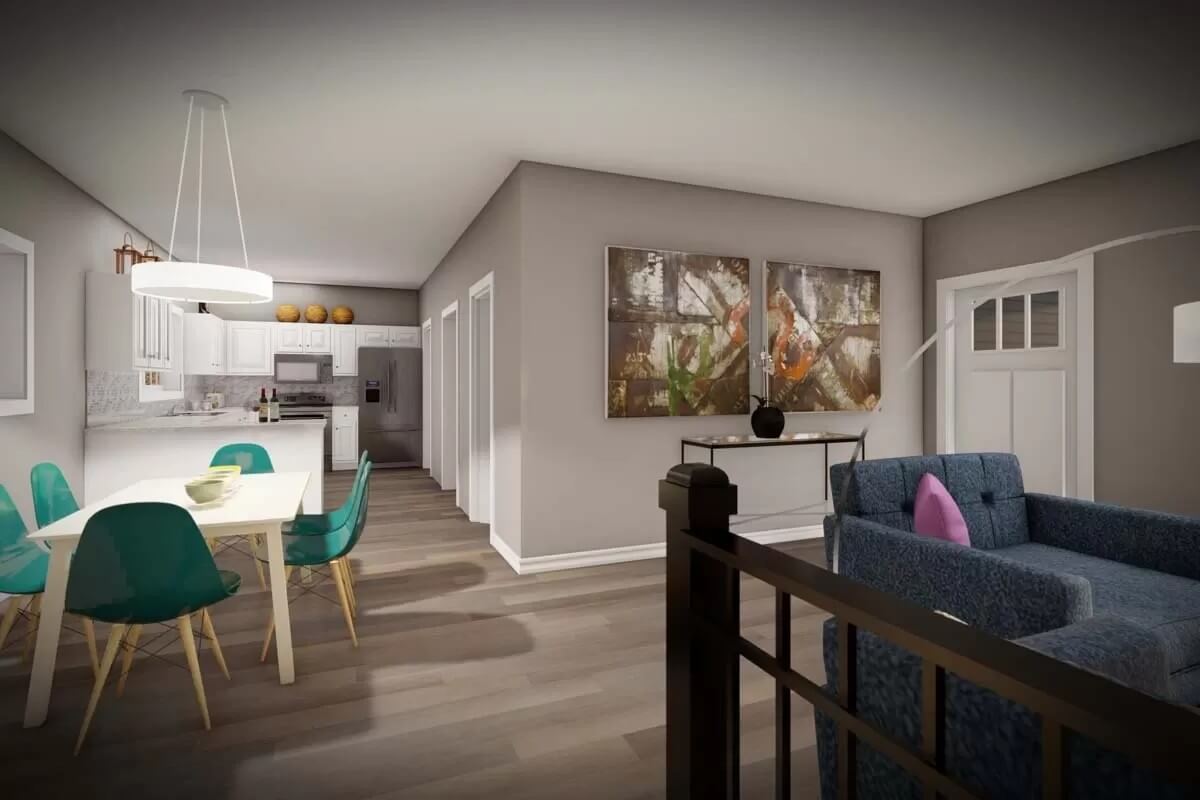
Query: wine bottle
point(264, 410)
point(274, 405)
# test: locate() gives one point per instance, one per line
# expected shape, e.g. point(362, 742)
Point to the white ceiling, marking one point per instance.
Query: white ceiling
point(367, 135)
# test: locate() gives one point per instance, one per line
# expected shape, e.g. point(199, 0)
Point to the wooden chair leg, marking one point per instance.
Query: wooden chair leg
point(110, 655)
point(127, 660)
point(35, 613)
point(350, 593)
point(189, 648)
point(341, 587)
point(257, 543)
point(89, 633)
point(10, 616)
point(267, 639)
point(207, 628)
point(266, 648)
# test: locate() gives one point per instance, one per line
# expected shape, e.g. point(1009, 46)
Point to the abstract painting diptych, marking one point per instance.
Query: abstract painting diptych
point(679, 335)
point(823, 335)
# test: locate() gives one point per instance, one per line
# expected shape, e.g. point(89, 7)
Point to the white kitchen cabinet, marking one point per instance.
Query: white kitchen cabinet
point(288, 337)
point(125, 331)
point(298, 337)
point(404, 336)
point(203, 344)
point(249, 348)
point(345, 350)
point(345, 437)
point(373, 336)
point(318, 339)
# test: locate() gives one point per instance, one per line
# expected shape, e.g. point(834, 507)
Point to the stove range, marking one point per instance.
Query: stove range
point(303, 401)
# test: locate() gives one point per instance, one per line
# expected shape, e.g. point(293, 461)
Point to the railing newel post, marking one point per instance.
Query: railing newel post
point(703, 702)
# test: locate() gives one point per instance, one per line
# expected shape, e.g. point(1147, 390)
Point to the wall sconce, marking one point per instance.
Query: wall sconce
point(126, 255)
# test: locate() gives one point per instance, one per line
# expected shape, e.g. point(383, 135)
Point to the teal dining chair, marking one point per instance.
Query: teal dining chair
point(23, 567)
point(254, 460)
point(52, 497)
point(328, 550)
point(138, 564)
point(310, 524)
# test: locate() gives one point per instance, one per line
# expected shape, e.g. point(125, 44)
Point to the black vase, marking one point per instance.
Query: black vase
point(767, 420)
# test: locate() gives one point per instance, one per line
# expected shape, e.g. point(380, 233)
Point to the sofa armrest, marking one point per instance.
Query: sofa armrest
point(1150, 539)
point(1116, 648)
point(998, 595)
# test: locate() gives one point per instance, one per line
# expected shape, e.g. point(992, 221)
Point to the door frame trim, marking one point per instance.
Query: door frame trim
point(484, 287)
point(447, 312)
point(427, 394)
point(1085, 360)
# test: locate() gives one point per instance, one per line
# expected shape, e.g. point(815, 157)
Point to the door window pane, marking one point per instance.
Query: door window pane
point(1013, 325)
point(1043, 319)
point(984, 325)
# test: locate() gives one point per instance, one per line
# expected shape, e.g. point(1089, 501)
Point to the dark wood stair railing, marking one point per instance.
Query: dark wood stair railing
point(705, 561)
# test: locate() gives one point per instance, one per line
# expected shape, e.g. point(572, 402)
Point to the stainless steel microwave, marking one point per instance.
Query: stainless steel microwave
point(300, 368)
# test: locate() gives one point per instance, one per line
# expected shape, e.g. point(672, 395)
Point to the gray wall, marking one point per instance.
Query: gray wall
point(1146, 429)
point(371, 306)
point(72, 234)
point(492, 243)
point(580, 482)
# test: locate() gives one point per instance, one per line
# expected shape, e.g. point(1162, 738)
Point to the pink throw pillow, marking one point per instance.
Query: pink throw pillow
point(936, 515)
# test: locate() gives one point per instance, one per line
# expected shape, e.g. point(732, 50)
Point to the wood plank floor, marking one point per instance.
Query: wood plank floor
point(469, 682)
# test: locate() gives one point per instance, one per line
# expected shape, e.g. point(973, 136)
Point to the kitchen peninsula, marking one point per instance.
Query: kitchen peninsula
point(120, 452)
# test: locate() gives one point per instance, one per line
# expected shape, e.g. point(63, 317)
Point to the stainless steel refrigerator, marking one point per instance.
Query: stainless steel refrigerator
point(389, 405)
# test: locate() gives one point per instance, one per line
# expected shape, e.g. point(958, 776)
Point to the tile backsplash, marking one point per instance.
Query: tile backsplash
point(116, 393)
point(242, 390)
point(112, 394)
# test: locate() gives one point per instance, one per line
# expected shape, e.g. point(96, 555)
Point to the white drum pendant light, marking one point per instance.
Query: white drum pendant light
point(197, 281)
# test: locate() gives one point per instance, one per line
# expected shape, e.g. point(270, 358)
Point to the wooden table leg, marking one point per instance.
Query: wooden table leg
point(279, 602)
point(49, 628)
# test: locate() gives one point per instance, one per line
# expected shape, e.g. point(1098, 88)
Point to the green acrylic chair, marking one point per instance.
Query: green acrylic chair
point(143, 563)
point(23, 567)
point(328, 549)
point(254, 460)
point(317, 524)
point(52, 497)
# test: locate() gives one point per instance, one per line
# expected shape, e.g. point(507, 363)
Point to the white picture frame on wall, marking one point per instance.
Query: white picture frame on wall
point(17, 382)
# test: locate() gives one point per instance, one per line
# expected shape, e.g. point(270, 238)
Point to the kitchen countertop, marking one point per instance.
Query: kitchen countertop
point(224, 419)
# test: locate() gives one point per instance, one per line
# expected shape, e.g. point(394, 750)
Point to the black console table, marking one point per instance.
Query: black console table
point(735, 442)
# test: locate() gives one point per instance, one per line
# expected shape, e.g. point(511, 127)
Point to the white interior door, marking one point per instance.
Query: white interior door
point(448, 474)
point(1015, 378)
point(481, 408)
point(427, 394)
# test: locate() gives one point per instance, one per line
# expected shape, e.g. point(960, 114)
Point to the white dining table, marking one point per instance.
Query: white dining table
point(261, 505)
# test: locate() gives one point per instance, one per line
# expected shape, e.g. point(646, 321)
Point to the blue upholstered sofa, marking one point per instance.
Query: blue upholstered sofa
point(1036, 562)
point(1110, 589)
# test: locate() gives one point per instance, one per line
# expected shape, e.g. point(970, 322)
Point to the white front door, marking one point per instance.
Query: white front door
point(1015, 377)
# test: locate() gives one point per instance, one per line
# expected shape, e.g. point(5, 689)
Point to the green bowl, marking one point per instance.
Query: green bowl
point(205, 490)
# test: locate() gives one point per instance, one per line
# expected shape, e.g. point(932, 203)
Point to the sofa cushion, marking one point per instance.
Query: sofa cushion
point(986, 486)
point(1168, 604)
point(935, 514)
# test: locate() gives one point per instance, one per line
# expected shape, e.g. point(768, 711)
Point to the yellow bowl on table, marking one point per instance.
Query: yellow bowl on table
point(206, 489)
point(231, 469)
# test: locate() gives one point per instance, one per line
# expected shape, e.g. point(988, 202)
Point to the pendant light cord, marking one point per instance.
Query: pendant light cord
point(179, 187)
point(233, 178)
point(200, 186)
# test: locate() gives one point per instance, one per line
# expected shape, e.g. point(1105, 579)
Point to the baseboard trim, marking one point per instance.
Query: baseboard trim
point(532, 565)
point(500, 546)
